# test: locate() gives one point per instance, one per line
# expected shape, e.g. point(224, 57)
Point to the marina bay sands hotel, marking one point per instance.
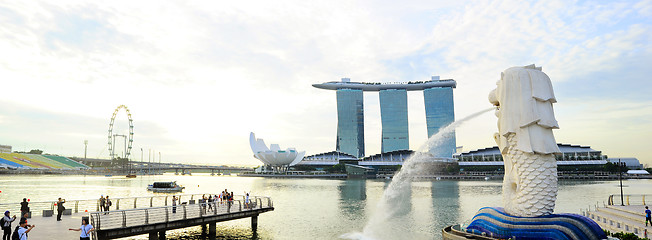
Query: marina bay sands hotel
point(438, 99)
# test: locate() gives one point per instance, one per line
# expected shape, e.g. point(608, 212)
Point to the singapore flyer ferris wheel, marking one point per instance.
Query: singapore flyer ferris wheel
point(128, 139)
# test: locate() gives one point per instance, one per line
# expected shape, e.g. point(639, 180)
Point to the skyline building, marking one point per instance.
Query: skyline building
point(394, 119)
point(350, 122)
point(440, 112)
point(438, 101)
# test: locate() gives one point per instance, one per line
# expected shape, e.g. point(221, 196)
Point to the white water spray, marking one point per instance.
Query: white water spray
point(397, 193)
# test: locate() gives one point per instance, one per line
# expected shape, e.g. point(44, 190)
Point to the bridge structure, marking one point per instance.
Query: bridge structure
point(155, 167)
point(152, 215)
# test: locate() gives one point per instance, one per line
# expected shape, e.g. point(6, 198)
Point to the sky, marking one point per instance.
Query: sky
point(199, 76)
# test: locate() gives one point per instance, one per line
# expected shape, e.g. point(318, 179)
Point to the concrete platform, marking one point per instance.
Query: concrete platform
point(49, 227)
point(615, 218)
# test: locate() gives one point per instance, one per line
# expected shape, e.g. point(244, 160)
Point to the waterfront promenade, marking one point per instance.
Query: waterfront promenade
point(150, 217)
point(626, 216)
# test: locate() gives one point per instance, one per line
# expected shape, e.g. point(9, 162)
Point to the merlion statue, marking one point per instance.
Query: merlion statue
point(524, 99)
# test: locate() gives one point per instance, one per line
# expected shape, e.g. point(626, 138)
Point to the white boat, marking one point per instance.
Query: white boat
point(165, 187)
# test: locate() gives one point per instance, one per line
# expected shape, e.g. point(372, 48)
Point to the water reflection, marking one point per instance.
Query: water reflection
point(353, 194)
point(445, 203)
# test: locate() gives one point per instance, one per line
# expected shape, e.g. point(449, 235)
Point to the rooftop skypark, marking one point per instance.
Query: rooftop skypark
point(377, 86)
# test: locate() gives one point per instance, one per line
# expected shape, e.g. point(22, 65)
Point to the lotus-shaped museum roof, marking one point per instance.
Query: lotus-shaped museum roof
point(273, 155)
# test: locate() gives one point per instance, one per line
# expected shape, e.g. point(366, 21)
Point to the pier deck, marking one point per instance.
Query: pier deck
point(151, 215)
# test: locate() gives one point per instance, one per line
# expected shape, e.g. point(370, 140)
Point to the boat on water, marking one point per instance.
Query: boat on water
point(165, 187)
point(131, 175)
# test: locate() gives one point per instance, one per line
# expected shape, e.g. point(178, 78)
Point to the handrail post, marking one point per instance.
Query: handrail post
point(201, 209)
point(146, 216)
point(124, 219)
point(117, 204)
point(76, 206)
point(97, 209)
point(135, 200)
point(96, 223)
point(167, 214)
point(184, 212)
point(151, 202)
point(240, 205)
point(166, 200)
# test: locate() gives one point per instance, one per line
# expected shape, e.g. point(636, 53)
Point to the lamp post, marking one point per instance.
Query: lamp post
point(620, 178)
point(85, 148)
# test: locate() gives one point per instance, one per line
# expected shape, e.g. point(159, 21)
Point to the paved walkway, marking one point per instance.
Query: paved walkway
point(50, 228)
point(615, 218)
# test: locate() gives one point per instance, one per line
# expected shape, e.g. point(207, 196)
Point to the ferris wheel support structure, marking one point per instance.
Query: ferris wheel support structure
point(129, 139)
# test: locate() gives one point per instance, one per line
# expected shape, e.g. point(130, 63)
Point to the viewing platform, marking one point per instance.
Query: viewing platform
point(152, 215)
point(627, 216)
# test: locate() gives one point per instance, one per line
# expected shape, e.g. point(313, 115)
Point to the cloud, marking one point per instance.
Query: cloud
point(205, 74)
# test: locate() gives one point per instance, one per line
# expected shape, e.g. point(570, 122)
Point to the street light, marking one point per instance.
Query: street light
point(85, 148)
point(620, 178)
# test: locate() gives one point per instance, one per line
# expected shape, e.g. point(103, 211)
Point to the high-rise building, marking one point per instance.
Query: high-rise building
point(439, 113)
point(394, 118)
point(350, 122)
point(438, 99)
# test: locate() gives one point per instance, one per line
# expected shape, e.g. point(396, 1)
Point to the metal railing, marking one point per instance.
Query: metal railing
point(93, 205)
point(152, 215)
point(630, 199)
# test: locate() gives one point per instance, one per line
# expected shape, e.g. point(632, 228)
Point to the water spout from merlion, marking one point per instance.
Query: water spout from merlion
point(392, 205)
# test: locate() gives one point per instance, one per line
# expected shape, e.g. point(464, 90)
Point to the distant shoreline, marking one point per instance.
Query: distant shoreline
point(442, 177)
point(588, 177)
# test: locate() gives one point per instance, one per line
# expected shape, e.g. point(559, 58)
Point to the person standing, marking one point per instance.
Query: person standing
point(174, 204)
point(24, 208)
point(85, 230)
point(247, 204)
point(23, 229)
point(647, 216)
point(210, 202)
point(202, 201)
point(107, 204)
point(6, 225)
point(60, 208)
point(101, 203)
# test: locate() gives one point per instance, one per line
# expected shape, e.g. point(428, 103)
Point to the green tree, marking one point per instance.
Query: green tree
point(35, 151)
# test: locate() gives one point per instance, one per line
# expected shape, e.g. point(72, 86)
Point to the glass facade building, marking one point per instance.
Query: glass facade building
point(394, 118)
point(439, 113)
point(438, 98)
point(350, 122)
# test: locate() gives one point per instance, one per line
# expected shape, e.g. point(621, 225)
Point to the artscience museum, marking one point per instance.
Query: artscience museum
point(273, 157)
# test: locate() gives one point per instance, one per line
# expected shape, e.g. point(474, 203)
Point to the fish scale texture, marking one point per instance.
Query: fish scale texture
point(530, 189)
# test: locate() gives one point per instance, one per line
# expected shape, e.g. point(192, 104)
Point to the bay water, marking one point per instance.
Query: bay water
point(317, 208)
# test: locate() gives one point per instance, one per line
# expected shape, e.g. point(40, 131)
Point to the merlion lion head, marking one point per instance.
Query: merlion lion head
point(524, 98)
